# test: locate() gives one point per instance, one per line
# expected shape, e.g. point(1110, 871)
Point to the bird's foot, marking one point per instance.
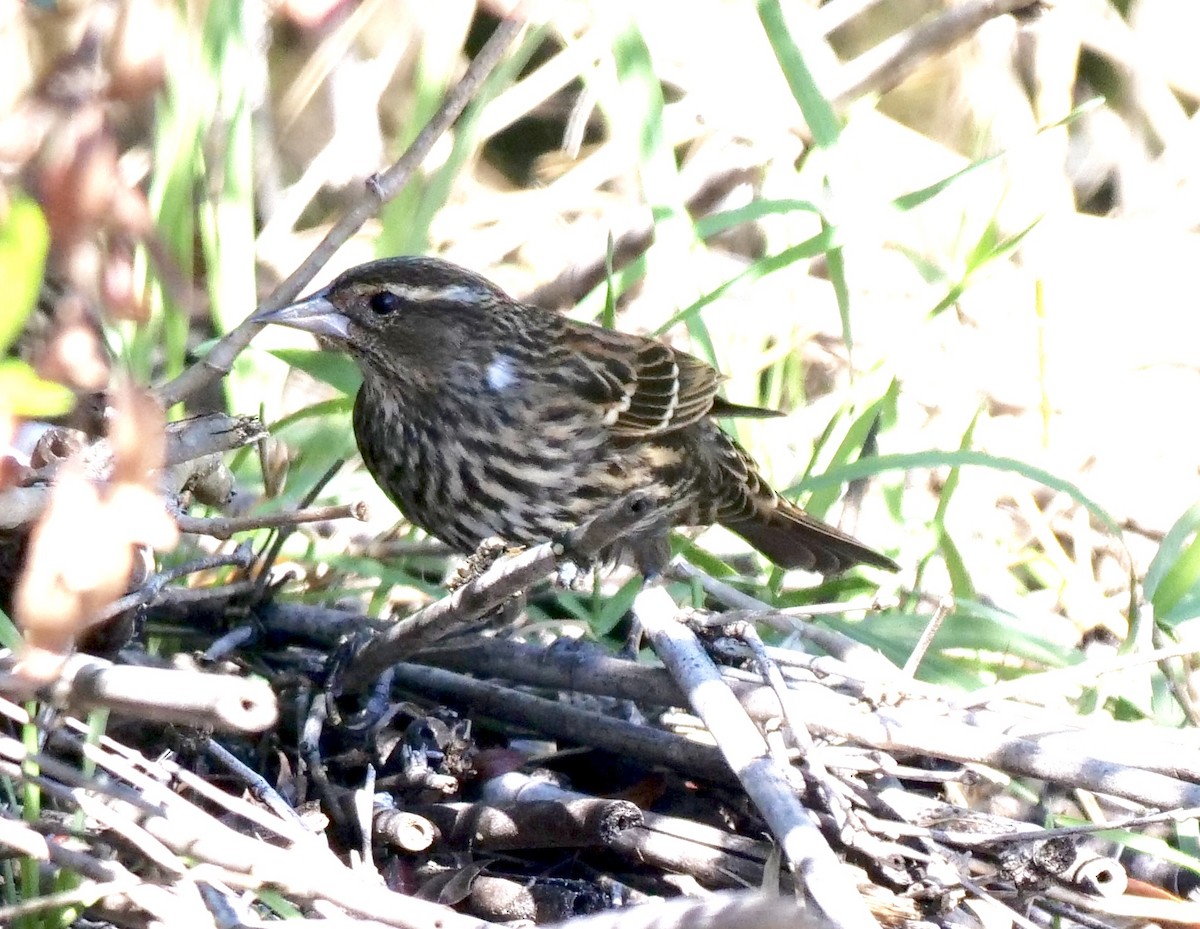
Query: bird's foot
point(574, 575)
point(488, 552)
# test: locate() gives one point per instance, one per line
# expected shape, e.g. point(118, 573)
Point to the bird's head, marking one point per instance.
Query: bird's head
point(409, 313)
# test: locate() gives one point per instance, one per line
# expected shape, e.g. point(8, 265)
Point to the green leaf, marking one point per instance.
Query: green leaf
point(704, 560)
point(634, 109)
point(612, 608)
point(340, 407)
point(26, 394)
point(619, 281)
point(278, 904)
point(24, 240)
point(975, 638)
point(338, 371)
point(974, 625)
point(10, 635)
point(388, 574)
point(636, 112)
point(404, 220)
point(1173, 579)
point(990, 248)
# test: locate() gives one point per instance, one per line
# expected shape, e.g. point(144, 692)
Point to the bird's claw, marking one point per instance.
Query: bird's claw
point(486, 554)
point(571, 575)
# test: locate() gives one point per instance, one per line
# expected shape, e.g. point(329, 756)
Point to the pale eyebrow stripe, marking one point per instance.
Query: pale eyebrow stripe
point(450, 293)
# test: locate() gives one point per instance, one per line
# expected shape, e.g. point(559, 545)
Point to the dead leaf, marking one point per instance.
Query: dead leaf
point(83, 550)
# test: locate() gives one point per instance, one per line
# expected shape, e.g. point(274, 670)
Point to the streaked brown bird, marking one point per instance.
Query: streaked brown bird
point(481, 416)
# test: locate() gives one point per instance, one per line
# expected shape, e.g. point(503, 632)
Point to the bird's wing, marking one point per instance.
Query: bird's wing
point(644, 387)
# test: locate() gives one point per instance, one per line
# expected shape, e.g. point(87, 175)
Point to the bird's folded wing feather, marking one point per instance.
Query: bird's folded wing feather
point(645, 387)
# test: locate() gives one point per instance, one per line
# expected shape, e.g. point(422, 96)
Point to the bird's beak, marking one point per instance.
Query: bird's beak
point(315, 314)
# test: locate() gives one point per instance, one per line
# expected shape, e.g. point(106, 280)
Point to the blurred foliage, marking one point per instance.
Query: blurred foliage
point(24, 240)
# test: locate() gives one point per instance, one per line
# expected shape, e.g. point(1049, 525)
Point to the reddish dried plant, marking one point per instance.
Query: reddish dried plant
point(86, 545)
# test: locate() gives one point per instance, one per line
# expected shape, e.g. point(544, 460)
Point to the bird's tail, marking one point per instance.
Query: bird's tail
point(793, 539)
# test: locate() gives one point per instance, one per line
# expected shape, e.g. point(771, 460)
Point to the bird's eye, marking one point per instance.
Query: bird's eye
point(384, 302)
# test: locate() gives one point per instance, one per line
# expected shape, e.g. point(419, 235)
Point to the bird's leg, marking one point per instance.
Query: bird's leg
point(650, 551)
point(486, 554)
point(579, 549)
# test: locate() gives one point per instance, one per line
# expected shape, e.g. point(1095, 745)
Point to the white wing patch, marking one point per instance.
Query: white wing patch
point(501, 374)
point(614, 411)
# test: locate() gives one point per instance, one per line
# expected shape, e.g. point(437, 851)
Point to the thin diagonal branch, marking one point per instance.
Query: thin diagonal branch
point(380, 188)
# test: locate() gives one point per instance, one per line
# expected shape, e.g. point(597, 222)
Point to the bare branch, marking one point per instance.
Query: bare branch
point(506, 578)
point(224, 527)
point(381, 188)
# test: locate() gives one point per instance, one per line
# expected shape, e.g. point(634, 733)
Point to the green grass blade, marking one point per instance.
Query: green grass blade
point(326, 408)
point(715, 223)
point(818, 114)
point(404, 226)
point(608, 316)
point(915, 198)
point(880, 464)
point(635, 114)
point(835, 261)
point(435, 192)
point(848, 449)
point(809, 248)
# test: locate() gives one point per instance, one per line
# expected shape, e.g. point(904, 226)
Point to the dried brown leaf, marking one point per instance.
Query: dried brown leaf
point(75, 357)
point(76, 564)
point(83, 551)
point(137, 435)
